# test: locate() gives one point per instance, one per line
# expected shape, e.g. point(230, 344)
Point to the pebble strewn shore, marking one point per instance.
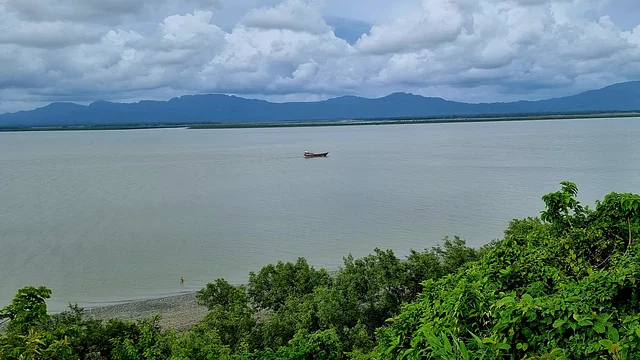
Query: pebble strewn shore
point(180, 312)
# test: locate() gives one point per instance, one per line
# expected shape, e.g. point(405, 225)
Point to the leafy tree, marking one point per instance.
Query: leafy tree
point(419, 267)
point(278, 327)
point(233, 325)
point(359, 299)
point(273, 285)
point(454, 254)
point(147, 343)
point(375, 284)
point(321, 345)
point(27, 310)
point(618, 209)
point(35, 345)
point(222, 294)
point(559, 205)
point(199, 344)
point(26, 335)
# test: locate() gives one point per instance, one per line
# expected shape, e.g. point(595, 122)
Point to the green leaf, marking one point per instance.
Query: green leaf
point(556, 352)
point(527, 298)
point(613, 334)
point(503, 346)
point(463, 350)
point(599, 328)
point(638, 332)
point(447, 343)
point(615, 348)
point(476, 338)
point(504, 301)
point(606, 343)
point(487, 341)
point(558, 323)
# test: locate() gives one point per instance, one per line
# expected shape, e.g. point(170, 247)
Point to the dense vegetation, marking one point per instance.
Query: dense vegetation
point(565, 285)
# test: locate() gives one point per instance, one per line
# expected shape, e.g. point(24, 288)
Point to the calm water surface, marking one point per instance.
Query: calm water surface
point(107, 216)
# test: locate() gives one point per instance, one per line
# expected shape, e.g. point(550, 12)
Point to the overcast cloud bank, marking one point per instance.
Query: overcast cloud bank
point(465, 50)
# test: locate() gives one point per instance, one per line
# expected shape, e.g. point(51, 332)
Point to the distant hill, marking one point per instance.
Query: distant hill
point(215, 108)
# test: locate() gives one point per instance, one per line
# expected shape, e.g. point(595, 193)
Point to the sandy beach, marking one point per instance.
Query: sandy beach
point(180, 312)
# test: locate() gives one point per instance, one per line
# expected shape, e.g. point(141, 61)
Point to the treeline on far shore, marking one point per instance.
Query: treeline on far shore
point(342, 122)
point(564, 285)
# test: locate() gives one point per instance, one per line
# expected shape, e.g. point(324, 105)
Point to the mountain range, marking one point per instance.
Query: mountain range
point(216, 108)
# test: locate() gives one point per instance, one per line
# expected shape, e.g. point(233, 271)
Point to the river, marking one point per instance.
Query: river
point(108, 216)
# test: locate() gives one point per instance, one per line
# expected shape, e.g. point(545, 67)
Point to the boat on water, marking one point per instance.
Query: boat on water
point(310, 154)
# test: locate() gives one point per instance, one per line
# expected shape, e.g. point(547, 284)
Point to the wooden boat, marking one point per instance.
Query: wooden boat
point(310, 154)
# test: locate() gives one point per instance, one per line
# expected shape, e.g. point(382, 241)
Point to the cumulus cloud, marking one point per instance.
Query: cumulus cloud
point(442, 21)
point(515, 47)
point(469, 50)
point(191, 30)
point(294, 15)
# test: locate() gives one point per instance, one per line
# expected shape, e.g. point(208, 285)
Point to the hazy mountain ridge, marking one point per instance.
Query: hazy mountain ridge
point(190, 109)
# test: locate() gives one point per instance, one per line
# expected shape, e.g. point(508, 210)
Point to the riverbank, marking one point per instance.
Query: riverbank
point(345, 122)
point(180, 312)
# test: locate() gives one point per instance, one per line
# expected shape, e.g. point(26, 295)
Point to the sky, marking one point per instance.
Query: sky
point(306, 50)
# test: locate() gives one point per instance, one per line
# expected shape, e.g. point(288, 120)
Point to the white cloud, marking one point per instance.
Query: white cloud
point(441, 21)
point(191, 30)
point(484, 50)
point(515, 48)
point(294, 15)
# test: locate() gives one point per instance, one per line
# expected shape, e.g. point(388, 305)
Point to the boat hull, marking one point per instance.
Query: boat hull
point(316, 155)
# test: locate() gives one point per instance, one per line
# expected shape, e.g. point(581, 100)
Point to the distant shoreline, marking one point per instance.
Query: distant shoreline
point(353, 122)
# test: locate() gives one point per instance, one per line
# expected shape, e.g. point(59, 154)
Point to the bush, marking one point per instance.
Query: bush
point(564, 287)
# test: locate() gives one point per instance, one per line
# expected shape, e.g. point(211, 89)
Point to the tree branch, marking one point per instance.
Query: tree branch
point(630, 239)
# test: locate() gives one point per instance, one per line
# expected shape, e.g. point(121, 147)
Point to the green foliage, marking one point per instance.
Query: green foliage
point(69, 335)
point(233, 325)
point(34, 345)
point(321, 345)
point(560, 203)
point(273, 285)
point(419, 267)
point(357, 300)
point(222, 294)
point(28, 310)
point(454, 254)
point(562, 286)
point(199, 344)
point(565, 288)
point(146, 343)
point(26, 336)
point(373, 285)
